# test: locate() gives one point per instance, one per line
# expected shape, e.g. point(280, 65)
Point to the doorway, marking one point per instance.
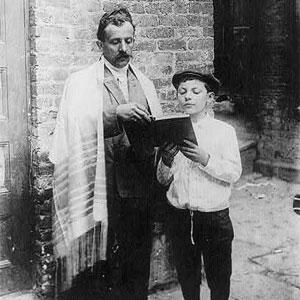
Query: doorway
point(15, 207)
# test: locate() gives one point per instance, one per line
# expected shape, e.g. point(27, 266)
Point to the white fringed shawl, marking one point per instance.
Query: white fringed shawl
point(79, 188)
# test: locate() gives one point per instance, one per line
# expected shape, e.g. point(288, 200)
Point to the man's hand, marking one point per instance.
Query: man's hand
point(133, 112)
point(168, 152)
point(194, 152)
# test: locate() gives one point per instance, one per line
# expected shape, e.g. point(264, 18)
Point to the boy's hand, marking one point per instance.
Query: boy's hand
point(194, 152)
point(168, 152)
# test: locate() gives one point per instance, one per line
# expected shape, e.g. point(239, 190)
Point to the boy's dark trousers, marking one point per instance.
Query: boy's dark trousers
point(212, 234)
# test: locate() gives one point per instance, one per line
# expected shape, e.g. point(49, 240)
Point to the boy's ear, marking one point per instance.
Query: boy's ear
point(211, 96)
point(211, 99)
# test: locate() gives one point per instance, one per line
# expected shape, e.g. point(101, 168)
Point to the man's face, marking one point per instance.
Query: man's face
point(193, 97)
point(118, 44)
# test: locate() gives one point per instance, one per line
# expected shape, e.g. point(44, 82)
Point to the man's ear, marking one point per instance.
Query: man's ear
point(99, 44)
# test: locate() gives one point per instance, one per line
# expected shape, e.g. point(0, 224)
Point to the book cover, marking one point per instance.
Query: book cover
point(169, 128)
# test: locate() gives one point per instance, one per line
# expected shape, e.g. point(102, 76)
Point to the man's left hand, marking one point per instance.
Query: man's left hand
point(194, 152)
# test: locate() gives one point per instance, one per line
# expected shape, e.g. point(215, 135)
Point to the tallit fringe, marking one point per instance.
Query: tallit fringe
point(82, 255)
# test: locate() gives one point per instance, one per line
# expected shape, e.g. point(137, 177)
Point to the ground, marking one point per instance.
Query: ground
point(266, 246)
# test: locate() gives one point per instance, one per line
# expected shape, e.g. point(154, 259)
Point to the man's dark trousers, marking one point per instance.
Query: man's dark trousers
point(130, 256)
point(212, 234)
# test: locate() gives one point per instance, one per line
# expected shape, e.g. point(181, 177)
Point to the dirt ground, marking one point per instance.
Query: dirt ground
point(266, 247)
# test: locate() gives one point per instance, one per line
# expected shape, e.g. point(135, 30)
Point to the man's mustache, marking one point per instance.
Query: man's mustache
point(124, 55)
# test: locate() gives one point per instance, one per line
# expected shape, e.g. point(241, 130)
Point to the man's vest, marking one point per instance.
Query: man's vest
point(127, 166)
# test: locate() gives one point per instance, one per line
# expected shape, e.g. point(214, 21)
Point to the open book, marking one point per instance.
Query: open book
point(169, 128)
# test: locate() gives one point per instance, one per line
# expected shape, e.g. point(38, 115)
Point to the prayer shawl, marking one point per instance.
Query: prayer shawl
point(79, 188)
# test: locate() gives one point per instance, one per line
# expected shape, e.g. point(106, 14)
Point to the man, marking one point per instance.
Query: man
point(100, 175)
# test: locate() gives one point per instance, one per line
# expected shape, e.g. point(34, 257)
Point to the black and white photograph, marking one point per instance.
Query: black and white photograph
point(149, 150)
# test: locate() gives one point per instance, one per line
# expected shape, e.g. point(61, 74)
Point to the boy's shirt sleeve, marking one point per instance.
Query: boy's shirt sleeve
point(226, 164)
point(164, 174)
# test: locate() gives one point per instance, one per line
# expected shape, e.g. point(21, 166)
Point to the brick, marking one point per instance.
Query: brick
point(181, 6)
point(154, 58)
point(146, 20)
point(55, 74)
point(196, 8)
point(162, 82)
point(197, 20)
point(32, 19)
point(145, 45)
point(158, 71)
point(54, 3)
point(45, 235)
point(80, 61)
point(188, 56)
point(202, 56)
point(169, 107)
point(92, 5)
point(168, 96)
point(189, 32)
point(134, 8)
point(110, 5)
point(151, 8)
point(52, 31)
point(208, 31)
point(54, 16)
point(201, 66)
point(44, 208)
point(83, 33)
point(88, 6)
point(200, 44)
point(172, 44)
point(66, 46)
point(155, 33)
point(173, 20)
point(207, 8)
point(158, 8)
point(58, 60)
point(45, 222)
point(50, 88)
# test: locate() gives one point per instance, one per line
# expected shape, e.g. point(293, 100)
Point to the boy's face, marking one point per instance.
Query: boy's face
point(193, 97)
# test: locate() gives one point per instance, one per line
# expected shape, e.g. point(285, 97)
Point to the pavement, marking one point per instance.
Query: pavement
point(266, 247)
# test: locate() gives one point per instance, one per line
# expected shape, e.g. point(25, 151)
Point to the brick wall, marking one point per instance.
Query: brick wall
point(170, 35)
point(279, 145)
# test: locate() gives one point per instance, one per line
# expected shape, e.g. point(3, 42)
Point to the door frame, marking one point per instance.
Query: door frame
point(24, 56)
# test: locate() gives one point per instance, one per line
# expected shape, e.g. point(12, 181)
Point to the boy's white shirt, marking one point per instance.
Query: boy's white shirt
point(208, 188)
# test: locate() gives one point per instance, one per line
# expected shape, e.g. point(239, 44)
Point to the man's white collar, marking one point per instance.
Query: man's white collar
point(119, 72)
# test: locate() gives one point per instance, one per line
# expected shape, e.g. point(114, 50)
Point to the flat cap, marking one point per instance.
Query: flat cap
point(209, 79)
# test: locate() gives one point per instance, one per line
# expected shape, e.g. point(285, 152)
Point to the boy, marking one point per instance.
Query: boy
point(200, 179)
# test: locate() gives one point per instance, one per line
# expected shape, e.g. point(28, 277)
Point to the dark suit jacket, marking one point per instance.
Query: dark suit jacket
point(129, 168)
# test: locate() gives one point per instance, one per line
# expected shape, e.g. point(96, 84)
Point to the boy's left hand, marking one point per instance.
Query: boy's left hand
point(194, 152)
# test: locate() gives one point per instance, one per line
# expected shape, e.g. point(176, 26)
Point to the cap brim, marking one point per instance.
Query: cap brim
point(210, 79)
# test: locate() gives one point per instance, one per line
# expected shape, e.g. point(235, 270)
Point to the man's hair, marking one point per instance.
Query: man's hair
point(116, 17)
